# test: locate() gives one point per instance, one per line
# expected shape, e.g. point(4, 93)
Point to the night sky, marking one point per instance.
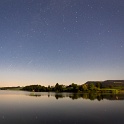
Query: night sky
point(65, 41)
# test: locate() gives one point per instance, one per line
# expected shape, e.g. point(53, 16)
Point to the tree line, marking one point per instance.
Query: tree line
point(87, 87)
point(62, 88)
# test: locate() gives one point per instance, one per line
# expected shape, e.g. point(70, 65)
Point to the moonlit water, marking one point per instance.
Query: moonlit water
point(18, 107)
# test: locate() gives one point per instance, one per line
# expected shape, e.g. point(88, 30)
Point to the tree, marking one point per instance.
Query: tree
point(91, 86)
point(75, 87)
point(84, 87)
point(99, 85)
point(58, 88)
point(49, 88)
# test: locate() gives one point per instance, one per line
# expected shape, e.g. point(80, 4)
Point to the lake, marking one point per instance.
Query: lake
point(19, 107)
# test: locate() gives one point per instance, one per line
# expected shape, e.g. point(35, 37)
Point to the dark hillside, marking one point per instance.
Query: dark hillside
point(108, 83)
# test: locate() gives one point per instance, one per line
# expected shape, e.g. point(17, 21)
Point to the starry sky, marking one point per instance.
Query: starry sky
point(65, 41)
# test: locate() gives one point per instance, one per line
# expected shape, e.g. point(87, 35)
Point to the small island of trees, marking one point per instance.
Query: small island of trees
point(102, 87)
point(109, 86)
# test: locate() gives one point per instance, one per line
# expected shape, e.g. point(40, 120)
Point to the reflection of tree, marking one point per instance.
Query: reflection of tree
point(85, 96)
point(91, 96)
point(34, 94)
point(57, 96)
point(99, 97)
point(74, 96)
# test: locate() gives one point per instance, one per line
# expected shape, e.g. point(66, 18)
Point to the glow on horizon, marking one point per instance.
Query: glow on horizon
point(61, 41)
point(23, 78)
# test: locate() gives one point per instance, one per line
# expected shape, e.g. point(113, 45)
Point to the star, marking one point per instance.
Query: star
point(43, 31)
point(59, 50)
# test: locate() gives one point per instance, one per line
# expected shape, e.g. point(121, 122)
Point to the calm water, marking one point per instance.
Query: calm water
point(18, 107)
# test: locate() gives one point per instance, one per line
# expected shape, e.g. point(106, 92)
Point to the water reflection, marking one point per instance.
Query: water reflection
point(60, 108)
point(34, 94)
point(74, 96)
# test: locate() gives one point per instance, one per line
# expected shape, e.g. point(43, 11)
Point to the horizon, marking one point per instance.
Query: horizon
point(65, 84)
point(48, 42)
